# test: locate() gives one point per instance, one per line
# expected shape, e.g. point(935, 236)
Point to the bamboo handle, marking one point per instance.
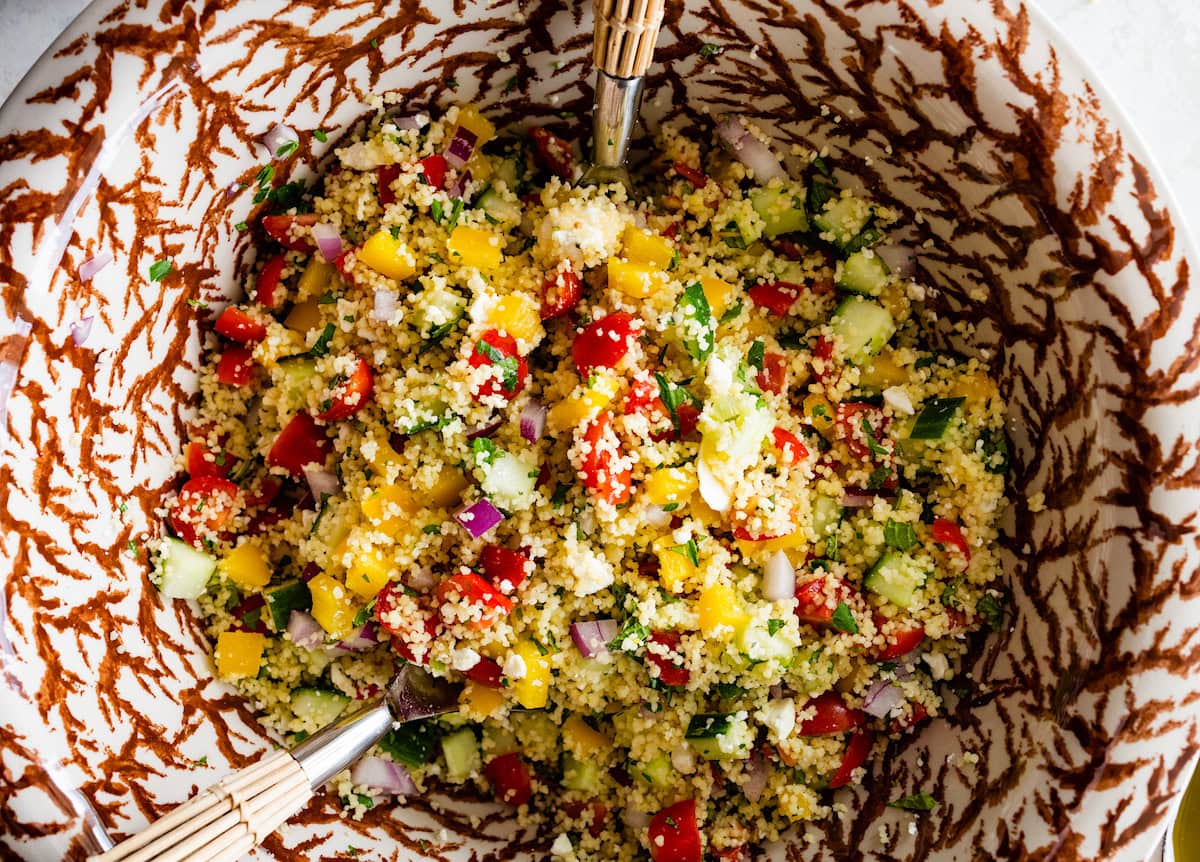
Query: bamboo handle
point(222, 823)
point(626, 31)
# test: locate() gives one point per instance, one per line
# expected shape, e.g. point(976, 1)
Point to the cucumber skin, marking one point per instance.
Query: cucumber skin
point(461, 751)
point(184, 571)
point(863, 326)
point(318, 705)
point(895, 577)
point(864, 275)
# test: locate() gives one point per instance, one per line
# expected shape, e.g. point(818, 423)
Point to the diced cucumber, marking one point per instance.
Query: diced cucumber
point(863, 327)
point(583, 775)
point(865, 273)
point(843, 219)
point(411, 743)
point(659, 772)
point(934, 418)
point(500, 210)
point(826, 515)
point(508, 481)
point(183, 571)
point(755, 642)
point(461, 751)
point(318, 706)
point(285, 598)
point(791, 271)
point(296, 376)
point(718, 736)
point(499, 740)
point(896, 577)
point(781, 209)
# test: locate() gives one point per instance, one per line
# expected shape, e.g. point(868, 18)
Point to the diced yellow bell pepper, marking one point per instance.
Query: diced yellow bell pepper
point(473, 246)
point(369, 573)
point(315, 280)
point(977, 388)
point(894, 297)
point(390, 508)
point(643, 246)
point(470, 119)
point(533, 689)
point(303, 316)
point(387, 256)
point(582, 740)
point(704, 514)
point(820, 413)
point(584, 402)
point(720, 611)
point(480, 167)
point(675, 569)
point(384, 456)
point(717, 293)
point(478, 702)
point(519, 315)
point(790, 542)
point(670, 485)
point(883, 372)
point(246, 565)
point(239, 654)
point(447, 491)
point(332, 605)
point(635, 279)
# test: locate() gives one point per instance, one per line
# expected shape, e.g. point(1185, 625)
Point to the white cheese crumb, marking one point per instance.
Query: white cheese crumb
point(463, 659)
point(897, 398)
point(562, 846)
point(939, 667)
point(779, 717)
point(514, 667)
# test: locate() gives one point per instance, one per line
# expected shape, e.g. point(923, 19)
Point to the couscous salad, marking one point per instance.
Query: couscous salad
point(675, 482)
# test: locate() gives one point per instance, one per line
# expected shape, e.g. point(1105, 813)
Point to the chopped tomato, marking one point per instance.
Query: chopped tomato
point(433, 169)
point(267, 287)
point(279, 228)
point(918, 714)
point(744, 535)
point(499, 350)
point(236, 366)
point(205, 461)
point(237, 325)
point(341, 262)
point(391, 607)
point(903, 639)
point(958, 620)
point(510, 778)
point(787, 248)
point(690, 174)
point(248, 614)
point(823, 350)
point(485, 672)
point(553, 153)
point(604, 342)
point(789, 446)
point(348, 394)
point(832, 716)
point(774, 374)
point(597, 812)
point(863, 428)
point(301, 442)
point(669, 673)
point(264, 489)
point(206, 505)
point(776, 296)
point(730, 854)
point(561, 291)
point(946, 532)
point(604, 467)
point(504, 568)
point(854, 757)
point(385, 175)
point(811, 604)
point(674, 834)
point(468, 588)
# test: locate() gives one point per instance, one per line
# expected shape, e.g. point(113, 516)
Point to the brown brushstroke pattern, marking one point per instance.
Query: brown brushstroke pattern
point(1031, 194)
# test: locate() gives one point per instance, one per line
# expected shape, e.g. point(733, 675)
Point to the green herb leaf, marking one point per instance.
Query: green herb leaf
point(286, 149)
point(432, 529)
point(264, 176)
point(992, 611)
point(327, 298)
point(877, 451)
point(774, 626)
point(995, 451)
point(670, 507)
point(727, 690)
point(843, 619)
point(364, 614)
point(821, 166)
point(709, 50)
point(934, 418)
point(435, 210)
point(411, 743)
point(732, 313)
point(486, 452)
point(320, 135)
point(819, 194)
point(631, 630)
point(925, 362)
point(689, 550)
point(321, 345)
point(916, 802)
point(455, 212)
point(756, 354)
point(560, 494)
point(241, 227)
point(159, 269)
point(899, 535)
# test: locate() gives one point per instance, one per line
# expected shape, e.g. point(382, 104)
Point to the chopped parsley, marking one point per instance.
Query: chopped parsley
point(321, 345)
point(320, 135)
point(560, 494)
point(757, 351)
point(508, 365)
point(486, 452)
point(877, 451)
point(899, 535)
point(241, 227)
point(843, 619)
point(732, 313)
point(916, 802)
point(435, 210)
point(992, 610)
point(709, 50)
point(159, 269)
point(286, 149)
point(773, 626)
point(432, 529)
point(632, 629)
point(688, 550)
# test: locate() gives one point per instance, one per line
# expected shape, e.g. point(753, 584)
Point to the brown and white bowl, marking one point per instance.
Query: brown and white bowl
point(1040, 220)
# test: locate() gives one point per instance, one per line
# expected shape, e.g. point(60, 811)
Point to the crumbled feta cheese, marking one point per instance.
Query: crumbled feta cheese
point(939, 666)
point(897, 398)
point(779, 717)
point(463, 659)
point(562, 846)
point(514, 667)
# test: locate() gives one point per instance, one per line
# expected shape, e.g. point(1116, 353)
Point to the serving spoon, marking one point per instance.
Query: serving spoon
point(224, 822)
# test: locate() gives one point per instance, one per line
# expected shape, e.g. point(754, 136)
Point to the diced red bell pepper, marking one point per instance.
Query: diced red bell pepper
point(561, 291)
point(603, 464)
point(903, 639)
point(248, 615)
point(388, 606)
point(205, 461)
point(301, 442)
point(674, 834)
point(385, 175)
point(790, 447)
point(267, 287)
point(855, 756)
point(823, 350)
point(946, 532)
point(690, 174)
point(811, 606)
point(350, 394)
point(553, 153)
point(774, 374)
point(918, 714)
point(597, 813)
point(468, 588)
point(669, 673)
point(504, 568)
point(744, 535)
point(262, 490)
point(236, 366)
point(603, 343)
point(496, 349)
point(237, 325)
point(433, 169)
point(776, 296)
point(205, 505)
point(787, 248)
point(485, 672)
point(730, 854)
point(510, 778)
point(832, 716)
point(279, 228)
point(860, 425)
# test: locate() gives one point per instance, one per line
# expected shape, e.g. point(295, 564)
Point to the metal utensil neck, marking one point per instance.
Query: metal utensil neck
point(618, 101)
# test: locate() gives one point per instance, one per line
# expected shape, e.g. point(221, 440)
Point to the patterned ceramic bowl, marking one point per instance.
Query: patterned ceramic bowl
point(1036, 215)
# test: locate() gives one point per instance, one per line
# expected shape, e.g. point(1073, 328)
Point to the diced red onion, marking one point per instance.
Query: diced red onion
point(478, 518)
point(903, 671)
point(385, 305)
point(329, 240)
point(362, 640)
point(749, 150)
point(407, 122)
point(635, 819)
point(593, 637)
point(486, 430)
point(93, 265)
point(656, 516)
point(756, 776)
point(882, 697)
point(462, 146)
point(321, 481)
point(901, 259)
point(384, 775)
point(81, 330)
point(277, 137)
point(422, 579)
point(533, 421)
point(304, 630)
point(775, 692)
point(862, 498)
point(779, 578)
point(459, 189)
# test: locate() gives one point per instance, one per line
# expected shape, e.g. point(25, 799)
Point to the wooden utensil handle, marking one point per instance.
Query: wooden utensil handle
point(626, 32)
